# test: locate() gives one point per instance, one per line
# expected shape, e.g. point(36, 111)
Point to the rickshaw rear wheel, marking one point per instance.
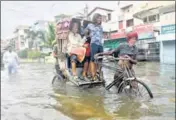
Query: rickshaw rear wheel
point(57, 78)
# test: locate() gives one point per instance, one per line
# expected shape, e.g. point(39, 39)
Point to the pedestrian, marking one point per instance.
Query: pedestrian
point(11, 60)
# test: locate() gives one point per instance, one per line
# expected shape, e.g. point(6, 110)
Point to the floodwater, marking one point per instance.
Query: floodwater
point(29, 95)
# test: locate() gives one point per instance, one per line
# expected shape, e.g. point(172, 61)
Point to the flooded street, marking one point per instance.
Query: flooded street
point(29, 95)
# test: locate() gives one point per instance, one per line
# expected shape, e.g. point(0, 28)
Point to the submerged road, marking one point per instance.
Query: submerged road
point(29, 95)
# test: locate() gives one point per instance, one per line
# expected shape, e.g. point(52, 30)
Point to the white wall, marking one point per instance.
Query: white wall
point(167, 52)
point(126, 15)
point(168, 18)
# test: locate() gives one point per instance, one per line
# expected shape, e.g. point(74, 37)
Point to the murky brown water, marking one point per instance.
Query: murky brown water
point(29, 95)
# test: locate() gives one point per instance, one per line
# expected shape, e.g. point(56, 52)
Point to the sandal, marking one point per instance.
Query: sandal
point(94, 78)
point(75, 78)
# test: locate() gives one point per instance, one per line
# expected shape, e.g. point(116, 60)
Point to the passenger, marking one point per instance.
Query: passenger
point(96, 46)
point(87, 56)
point(11, 60)
point(74, 42)
point(127, 50)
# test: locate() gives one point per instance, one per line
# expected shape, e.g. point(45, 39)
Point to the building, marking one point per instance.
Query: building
point(106, 14)
point(167, 34)
point(128, 17)
point(4, 44)
point(19, 38)
point(149, 13)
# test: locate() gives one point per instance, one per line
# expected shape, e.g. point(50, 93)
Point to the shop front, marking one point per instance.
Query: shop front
point(147, 45)
point(115, 40)
point(167, 44)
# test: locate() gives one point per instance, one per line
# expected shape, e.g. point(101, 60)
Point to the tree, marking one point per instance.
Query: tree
point(35, 37)
point(31, 36)
point(50, 34)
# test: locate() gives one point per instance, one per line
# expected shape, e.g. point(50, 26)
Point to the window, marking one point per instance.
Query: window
point(145, 20)
point(109, 16)
point(129, 23)
point(120, 24)
point(22, 37)
point(158, 17)
point(152, 18)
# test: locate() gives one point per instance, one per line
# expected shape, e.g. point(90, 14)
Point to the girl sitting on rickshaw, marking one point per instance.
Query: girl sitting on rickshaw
point(74, 41)
point(76, 48)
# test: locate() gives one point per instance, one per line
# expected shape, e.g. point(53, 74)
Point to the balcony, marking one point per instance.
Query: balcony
point(149, 8)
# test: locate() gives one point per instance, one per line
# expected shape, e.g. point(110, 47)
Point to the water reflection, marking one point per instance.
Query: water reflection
point(30, 95)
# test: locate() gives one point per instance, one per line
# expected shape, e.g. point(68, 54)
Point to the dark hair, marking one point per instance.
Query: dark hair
point(9, 47)
point(88, 40)
point(73, 21)
point(72, 24)
point(94, 19)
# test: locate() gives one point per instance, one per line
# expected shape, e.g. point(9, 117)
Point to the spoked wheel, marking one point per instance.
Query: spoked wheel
point(54, 79)
point(57, 79)
point(135, 88)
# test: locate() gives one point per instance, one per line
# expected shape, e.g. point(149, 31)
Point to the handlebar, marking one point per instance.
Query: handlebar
point(110, 58)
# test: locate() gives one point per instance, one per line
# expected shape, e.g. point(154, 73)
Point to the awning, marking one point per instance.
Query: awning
point(118, 35)
point(113, 43)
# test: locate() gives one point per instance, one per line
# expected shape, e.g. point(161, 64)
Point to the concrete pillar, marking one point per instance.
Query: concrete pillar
point(161, 52)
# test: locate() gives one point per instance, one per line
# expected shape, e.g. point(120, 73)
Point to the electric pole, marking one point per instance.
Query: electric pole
point(86, 12)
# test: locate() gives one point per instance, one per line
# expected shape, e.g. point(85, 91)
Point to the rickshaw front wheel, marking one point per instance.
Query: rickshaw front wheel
point(139, 88)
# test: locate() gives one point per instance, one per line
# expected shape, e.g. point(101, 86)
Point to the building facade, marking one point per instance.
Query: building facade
point(19, 38)
point(144, 18)
point(167, 36)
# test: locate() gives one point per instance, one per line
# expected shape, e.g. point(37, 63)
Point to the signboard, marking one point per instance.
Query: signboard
point(117, 35)
point(145, 28)
point(144, 31)
point(168, 29)
point(148, 35)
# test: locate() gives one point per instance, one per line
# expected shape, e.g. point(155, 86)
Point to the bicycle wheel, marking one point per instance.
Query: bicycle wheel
point(135, 87)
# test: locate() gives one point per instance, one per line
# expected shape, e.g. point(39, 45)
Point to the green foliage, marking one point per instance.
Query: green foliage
point(23, 53)
point(31, 35)
point(50, 34)
point(44, 54)
point(33, 54)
